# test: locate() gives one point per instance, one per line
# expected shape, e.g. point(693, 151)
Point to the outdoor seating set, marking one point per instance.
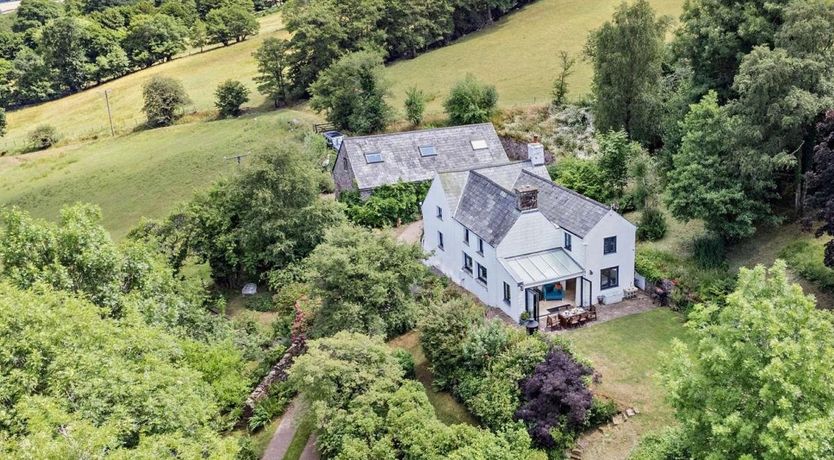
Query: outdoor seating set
point(567, 316)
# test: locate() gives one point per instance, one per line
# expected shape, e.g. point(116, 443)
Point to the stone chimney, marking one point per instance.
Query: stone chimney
point(527, 198)
point(535, 152)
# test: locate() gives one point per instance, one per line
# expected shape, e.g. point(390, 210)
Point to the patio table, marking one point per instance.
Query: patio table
point(576, 311)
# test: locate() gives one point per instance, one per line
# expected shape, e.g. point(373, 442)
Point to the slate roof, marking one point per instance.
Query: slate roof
point(401, 159)
point(564, 207)
point(483, 200)
point(504, 175)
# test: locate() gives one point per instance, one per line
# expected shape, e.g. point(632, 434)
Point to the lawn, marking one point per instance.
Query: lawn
point(448, 410)
point(84, 115)
point(626, 352)
point(519, 54)
point(142, 174)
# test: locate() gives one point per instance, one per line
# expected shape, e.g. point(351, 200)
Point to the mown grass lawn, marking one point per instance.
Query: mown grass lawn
point(519, 54)
point(146, 174)
point(84, 115)
point(627, 353)
point(448, 410)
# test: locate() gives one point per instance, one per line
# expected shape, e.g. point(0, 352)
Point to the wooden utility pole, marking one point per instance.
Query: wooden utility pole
point(109, 113)
point(237, 157)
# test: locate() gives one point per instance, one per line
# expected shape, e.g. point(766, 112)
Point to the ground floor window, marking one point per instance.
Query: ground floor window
point(467, 263)
point(440, 240)
point(482, 273)
point(506, 293)
point(609, 277)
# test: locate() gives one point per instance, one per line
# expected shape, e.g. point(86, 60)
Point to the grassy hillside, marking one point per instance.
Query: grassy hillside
point(519, 54)
point(84, 115)
point(142, 174)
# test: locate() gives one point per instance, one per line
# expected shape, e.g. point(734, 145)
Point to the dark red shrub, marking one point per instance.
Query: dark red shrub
point(556, 395)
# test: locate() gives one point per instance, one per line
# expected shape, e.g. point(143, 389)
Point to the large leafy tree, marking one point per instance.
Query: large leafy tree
point(76, 385)
point(365, 281)
point(165, 100)
point(414, 26)
point(627, 54)
point(783, 91)
point(35, 13)
point(710, 180)
point(758, 382)
point(716, 34)
point(273, 66)
point(352, 93)
point(821, 185)
point(232, 22)
point(154, 38)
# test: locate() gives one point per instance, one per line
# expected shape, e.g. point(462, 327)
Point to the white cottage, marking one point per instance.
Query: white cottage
point(519, 242)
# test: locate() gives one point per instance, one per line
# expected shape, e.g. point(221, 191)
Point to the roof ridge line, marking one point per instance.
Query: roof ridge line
point(491, 182)
point(478, 168)
point(369, 136)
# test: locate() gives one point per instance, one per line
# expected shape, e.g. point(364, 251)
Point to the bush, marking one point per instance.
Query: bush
point(652, 225)
point(274, 405)
point(406, 362)
point(708, 251)
point(3, 122)
point(261, 303)
point(601, 412)
point(43, 137)
point(415, 105)
point(664, 445)
point(655, 264)
point(230, 96)
point(471, 102)
point(806, 258)
point(165, 100)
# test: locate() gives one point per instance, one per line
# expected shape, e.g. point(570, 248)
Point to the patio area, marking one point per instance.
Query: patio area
point(639, 304)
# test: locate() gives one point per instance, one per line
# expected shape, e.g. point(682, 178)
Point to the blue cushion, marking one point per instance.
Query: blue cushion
point(552, 293)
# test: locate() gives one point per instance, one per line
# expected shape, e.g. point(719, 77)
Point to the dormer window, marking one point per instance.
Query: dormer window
point(427, 151)
point(373, 157)
point(479, 144)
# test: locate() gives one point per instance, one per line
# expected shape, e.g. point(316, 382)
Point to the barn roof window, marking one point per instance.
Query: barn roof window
point(479, 144)
point(427, 151)
point(373, 157)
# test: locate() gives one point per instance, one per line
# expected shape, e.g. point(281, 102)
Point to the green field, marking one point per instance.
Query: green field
point(519, 54)
point(84, 115)
point(143, 174)
point(626, 352)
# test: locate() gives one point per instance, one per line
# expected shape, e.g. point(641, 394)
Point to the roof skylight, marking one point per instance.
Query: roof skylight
point(427, 151)
point(479, 144)
point(373, 157)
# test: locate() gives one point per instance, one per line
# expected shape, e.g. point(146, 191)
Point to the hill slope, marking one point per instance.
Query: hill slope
point(84, 115)
point(143, 174)
point(519, 54)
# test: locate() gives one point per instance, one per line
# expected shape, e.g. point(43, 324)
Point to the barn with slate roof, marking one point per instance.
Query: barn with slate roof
point(367, 162)
point(521, 243)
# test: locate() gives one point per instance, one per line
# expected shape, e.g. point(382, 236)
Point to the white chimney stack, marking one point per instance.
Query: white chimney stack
point(535, 152)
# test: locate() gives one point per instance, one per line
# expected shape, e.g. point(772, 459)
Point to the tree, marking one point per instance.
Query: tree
point(711, 181)
point(147, 402)
point(273, 67)
point(783, 92)
point(583, 176)
point(154, 38)
point(715, 35)
point(415, 105)
point(371, 291)
point(756, 383)
point(352, 93)
point(230, 96)
point(627, 54)
point(821, 185)
point(470, 102)
point(62, 44)
point(233, 22)
point(560, 86)
point(32, 14)
point(33, 79)
point(241, 238)
point(199, 35)
point(555, 397)
point(165, 100)
point(615, 153)
point(412, 27)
